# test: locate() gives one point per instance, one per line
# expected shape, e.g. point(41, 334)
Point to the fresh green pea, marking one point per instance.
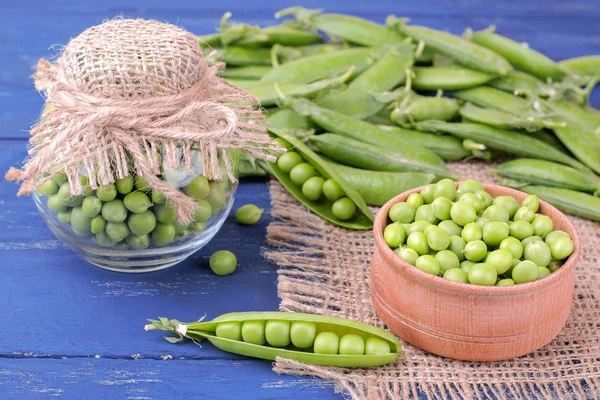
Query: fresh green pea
point(475, 250)
point(543, 272)
point(197, 226)
point(417, 226)
point(554, 235)
point(561, 248)
point(117, 231)
point(569, 201)
point(471, 232)
point(277, 333)
point(165, 213)
point(64, 192)
point(542, 225)
point(407, 254)
point(124, 185)
point(470, 186)
point(326, 343)
point(158, 197)
point(538, 252)
point(332, 190)
point(302, 334)
point(450, 227)
point(466, 265)
point(554, 265)
point(91, 206)
point(441, 207)
point(60, 179)
point(496, 213)
point(198, 188)
point(394, 235)
point(418, 242)
point(138, 242)
point(447, 260)
point(312, 189)
point(402, 212)
point(80, 222)
point(301, 173)
point(114, 211)
point(456, 275)
point(509, 203)
point(203, 211)
point(524, 214)
point(457, 246)
point(254, 332)
point(525, 271)
point(56, 203)
point(462, 213)
point(505, 282)
point(179, 227)
point(163, 234)
point(248, 214)
point(223, 262)
point(64, 217)
point(343, 208)
point(495, 232)
point(50, 187)
point(104, 240)
point(428, 263)
point(531, 239)
point(142, 223)
point(485, 198)
point(231, 330)
point(500, 259)
point(520, 229)
point(427, 192)
point(376, 346)
point(415, 200)
point(473, 200)
point(141, 183)
point(137, 202)
point(483, 274)
point(482, 222)
point(513, 246)
point(288, 160)
point(98, 224)
point(107, 193)
point(351, 344)
point(445, 188)
point(437, 239)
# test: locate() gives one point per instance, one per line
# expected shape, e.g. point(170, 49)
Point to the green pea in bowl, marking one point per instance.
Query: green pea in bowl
point(127, 227)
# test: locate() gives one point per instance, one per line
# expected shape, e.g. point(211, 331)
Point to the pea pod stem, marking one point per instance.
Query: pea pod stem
point(464, 52)
point(505, 140)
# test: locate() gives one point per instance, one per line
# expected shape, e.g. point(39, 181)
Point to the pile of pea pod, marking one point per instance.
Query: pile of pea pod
point(386, 106)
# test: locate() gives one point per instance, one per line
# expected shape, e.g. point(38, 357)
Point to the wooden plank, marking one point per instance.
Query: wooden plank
point(143, 379)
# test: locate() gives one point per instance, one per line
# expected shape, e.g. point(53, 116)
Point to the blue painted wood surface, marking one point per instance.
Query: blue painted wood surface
point(72, 330)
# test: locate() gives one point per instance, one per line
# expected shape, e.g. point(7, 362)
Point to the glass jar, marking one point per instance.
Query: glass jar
point(129, 228)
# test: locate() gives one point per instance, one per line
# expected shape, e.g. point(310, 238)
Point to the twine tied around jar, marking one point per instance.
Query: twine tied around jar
point(127, 91)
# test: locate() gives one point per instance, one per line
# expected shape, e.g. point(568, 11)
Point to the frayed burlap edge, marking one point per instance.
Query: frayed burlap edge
point(325, 270)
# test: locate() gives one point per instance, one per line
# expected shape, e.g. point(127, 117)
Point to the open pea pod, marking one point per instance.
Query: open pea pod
point(363, 219)
point(207, 330)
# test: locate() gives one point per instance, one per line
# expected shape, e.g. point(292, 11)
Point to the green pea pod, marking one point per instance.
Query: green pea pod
point(251, 72)
point(464, 52)
point(420, 158)
point(363, 219)
point(378, 187)
point(548, 173)
point(503, 120)
point(363, 155)
point(241, 56)
point(246, 84)
point(269, 94)
point(518, 54)
point(388, 72)
point(488, 97)
point(411, 108)
point(352, 29)
point(280, 34)
point(322, 66)
point(501, 139)
point(581, 143)
point(448, 78)
point(249, 166)
point(521, 81)
point(380, 119)
point(357, 103)
point(287, 53)
point(550, 138)
point(584, 67)
point(447, 147)
point(200, 330)
point(570, 201)
point(286, 118)
point(210, 40)
point(587, 118)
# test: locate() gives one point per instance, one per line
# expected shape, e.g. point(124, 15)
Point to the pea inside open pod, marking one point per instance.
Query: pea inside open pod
point(340, 327)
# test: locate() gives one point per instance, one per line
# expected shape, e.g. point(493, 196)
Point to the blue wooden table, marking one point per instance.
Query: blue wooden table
point(72, 330)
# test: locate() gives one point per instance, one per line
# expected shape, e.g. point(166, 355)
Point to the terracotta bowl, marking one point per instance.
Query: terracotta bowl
point(469, 322)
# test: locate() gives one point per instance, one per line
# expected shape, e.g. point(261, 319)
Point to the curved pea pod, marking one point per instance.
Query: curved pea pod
point(582, 143)
point(501, 139)
point(250, 72)
point(414, 108)
point(370, 157)
point(207, 330)
point(464, 52)
point(421, 158)
point(363, 218)
point(378, 187)
point(446, 146)
point(242, 56)
point(570, 201)
point(352, 29)
point(583, 67)
point(521, 81)
point(488, 97)
point(387, 72)
point(548, 173)
point(284, 34)
point(503, 120)
point(269, 94)
point(448, 78)
point(322, 66)
point(519, 54)
point(286, 118)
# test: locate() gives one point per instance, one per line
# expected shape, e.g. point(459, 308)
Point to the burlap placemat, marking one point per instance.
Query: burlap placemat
point(325, 270)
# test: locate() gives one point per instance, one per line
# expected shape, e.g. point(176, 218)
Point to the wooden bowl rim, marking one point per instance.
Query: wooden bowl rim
point(440, 283)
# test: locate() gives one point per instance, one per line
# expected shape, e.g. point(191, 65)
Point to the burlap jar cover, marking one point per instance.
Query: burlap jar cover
point(135, 92)
point(325, 270)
